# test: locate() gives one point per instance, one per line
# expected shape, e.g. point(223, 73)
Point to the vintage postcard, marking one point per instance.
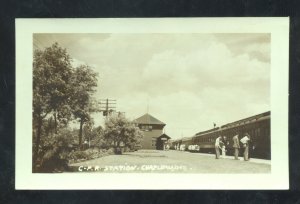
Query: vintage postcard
point(160, 103)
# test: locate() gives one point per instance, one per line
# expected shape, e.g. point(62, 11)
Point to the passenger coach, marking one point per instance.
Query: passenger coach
point(257, 126)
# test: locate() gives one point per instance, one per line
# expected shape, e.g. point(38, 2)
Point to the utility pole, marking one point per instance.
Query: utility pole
point(107, 106)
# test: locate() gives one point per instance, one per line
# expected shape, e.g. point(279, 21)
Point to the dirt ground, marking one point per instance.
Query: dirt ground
point(170, 161)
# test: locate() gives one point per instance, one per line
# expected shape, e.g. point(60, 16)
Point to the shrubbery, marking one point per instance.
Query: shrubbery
point(59, 150)
point(54, 157)
point(92, 153)
point(78, 155)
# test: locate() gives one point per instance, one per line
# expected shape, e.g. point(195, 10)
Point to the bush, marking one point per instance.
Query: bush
point(92, 153)
point(110, 151)
point(76, 155)
point(53, 163)
point(54, 160)
point(118, 150)
point(54, 154)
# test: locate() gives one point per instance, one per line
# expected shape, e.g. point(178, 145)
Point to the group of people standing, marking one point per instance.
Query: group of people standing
point(222, 143)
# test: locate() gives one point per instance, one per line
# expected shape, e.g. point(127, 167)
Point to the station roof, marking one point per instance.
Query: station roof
point(164, 136)
point(148, 119)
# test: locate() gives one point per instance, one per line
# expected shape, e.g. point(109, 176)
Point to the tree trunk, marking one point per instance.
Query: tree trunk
point(55, 123)
point(37, 141)
point(80, 133)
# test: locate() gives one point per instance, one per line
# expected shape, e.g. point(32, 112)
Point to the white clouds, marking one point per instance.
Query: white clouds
point(188, 80)
point(254, 45)
point(213, 66)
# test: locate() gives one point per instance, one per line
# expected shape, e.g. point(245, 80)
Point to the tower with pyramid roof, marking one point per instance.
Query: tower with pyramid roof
point(152, 129)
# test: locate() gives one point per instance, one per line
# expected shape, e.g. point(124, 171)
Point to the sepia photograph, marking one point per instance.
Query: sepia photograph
point(127, 100)
point(151, 103)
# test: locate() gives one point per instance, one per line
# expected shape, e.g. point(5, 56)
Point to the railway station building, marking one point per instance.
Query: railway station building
point(154, 138)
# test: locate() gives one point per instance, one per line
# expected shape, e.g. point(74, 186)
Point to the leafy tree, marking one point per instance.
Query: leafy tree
point(97, 137)
point(58, 75)
point(120, 131)
point(52, 71)
point(88, 129)
point(61, 91)
point(60, 94)
point(84, 84)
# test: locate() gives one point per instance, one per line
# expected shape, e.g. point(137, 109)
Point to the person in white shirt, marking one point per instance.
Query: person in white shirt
point(245, 140)
point(223, 151)
point(218, 147)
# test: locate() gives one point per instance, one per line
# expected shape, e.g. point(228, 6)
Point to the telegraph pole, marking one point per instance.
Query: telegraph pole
point(107, 106)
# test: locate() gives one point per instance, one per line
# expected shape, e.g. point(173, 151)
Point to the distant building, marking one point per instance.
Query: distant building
point(154, 138)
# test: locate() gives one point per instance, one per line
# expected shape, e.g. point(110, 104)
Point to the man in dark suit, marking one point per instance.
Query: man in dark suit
point(236, 146)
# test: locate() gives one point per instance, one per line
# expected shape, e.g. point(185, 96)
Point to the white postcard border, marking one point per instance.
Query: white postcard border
point(277, 179)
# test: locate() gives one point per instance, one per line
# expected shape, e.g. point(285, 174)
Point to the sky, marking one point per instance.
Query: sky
point(188, 81)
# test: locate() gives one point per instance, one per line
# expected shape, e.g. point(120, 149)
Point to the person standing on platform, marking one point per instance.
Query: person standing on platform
point(236, 146)
point(246, 140)
point(223, 151)
point(225, 146)
point(218, 147)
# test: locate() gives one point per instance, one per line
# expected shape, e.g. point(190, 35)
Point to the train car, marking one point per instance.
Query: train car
point(175, 144)
point(257, 126)
point(185, 143)
point(194, 148)
point(205, 140)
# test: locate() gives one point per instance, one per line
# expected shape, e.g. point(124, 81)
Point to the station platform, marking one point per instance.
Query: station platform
point(252, 160)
